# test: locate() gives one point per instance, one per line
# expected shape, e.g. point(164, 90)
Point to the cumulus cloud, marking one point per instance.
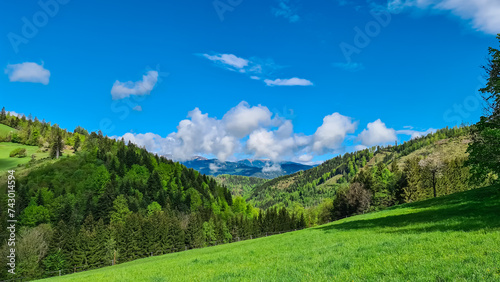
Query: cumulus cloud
point(288, 82)
point(243, 119)
point(256, 132)
point(482, 14)
point(28, 72)
point(201, 134)
point(377, 133)
point(122, 90)
point(287, 11)
point(151, 141)
point(137, 108)
point(332, 132)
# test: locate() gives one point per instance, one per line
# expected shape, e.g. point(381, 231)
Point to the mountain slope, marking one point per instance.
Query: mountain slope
point(451, 238)
point(310, 187)
point(240, 185)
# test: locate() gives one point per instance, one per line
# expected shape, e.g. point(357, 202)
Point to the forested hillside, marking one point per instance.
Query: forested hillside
point(240, 185)
point(310, 187)
point(110, 201)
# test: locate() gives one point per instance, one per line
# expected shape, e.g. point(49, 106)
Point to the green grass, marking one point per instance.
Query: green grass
point(5, 130)
point(7, 162)
point(452, 238)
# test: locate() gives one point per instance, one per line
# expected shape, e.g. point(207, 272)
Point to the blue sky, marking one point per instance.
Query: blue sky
point(285, 80)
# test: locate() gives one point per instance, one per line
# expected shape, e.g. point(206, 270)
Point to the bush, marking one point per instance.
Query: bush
point(18, 152)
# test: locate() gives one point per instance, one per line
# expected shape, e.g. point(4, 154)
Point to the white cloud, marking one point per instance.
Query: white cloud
point(286, 11)
point(214, 168)
point(305, 158)
point(151, 141)
point(331, 134)
point(288, 82)
point(228, 60)
point(12, 113)
point(360, 147)
point(352, 67)
point(137, 108)
point(415, 133)
point(484, 15)
point(28, 72)
point(377, 133)
point(256, 132)
point(271, 168)
point(255, 68)
point(201, 134)
point(243, 119)
point(122, 90)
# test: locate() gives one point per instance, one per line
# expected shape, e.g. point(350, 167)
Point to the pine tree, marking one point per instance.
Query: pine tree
point(484, 150)
point(56, 143)
point(3, 114)
point(77, 142)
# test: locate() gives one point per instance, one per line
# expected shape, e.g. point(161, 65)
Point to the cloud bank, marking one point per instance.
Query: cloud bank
point(256, 132)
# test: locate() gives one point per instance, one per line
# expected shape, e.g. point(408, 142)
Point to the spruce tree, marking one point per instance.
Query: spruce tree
point(484, 150)
point(56, 143)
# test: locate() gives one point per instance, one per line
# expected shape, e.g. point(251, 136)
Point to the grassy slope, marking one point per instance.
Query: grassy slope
point(5, 130)
point(456, 237)
point(7, 162)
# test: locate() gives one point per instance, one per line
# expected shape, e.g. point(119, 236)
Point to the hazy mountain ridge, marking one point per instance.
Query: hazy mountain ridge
point(251, 168)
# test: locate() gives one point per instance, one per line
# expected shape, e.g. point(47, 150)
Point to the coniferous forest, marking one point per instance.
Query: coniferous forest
point(111, 202)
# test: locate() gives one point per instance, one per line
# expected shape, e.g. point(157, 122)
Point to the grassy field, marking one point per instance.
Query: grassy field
point(5, 130)
point(7, 162)
point(452, 238)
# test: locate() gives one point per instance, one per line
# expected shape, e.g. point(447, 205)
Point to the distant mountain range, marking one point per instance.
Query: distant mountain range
point(254, 168)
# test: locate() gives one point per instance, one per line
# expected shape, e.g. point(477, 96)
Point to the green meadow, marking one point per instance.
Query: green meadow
point(5, 130)
point(451, 238)
point(7, 162)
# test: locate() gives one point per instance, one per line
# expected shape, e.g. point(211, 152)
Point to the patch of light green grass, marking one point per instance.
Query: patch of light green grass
point(452, 238)
point(7, 162)
point(6, 130)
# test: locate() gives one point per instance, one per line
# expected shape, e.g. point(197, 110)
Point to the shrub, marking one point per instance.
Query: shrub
point(18, 152)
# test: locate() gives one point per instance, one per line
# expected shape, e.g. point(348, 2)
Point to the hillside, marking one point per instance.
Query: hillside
point(7, 162)
point(240, 185)
point(310, 187)
point(451, 238)
point(250, 168)
point(95, 199)
point(6, 130)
